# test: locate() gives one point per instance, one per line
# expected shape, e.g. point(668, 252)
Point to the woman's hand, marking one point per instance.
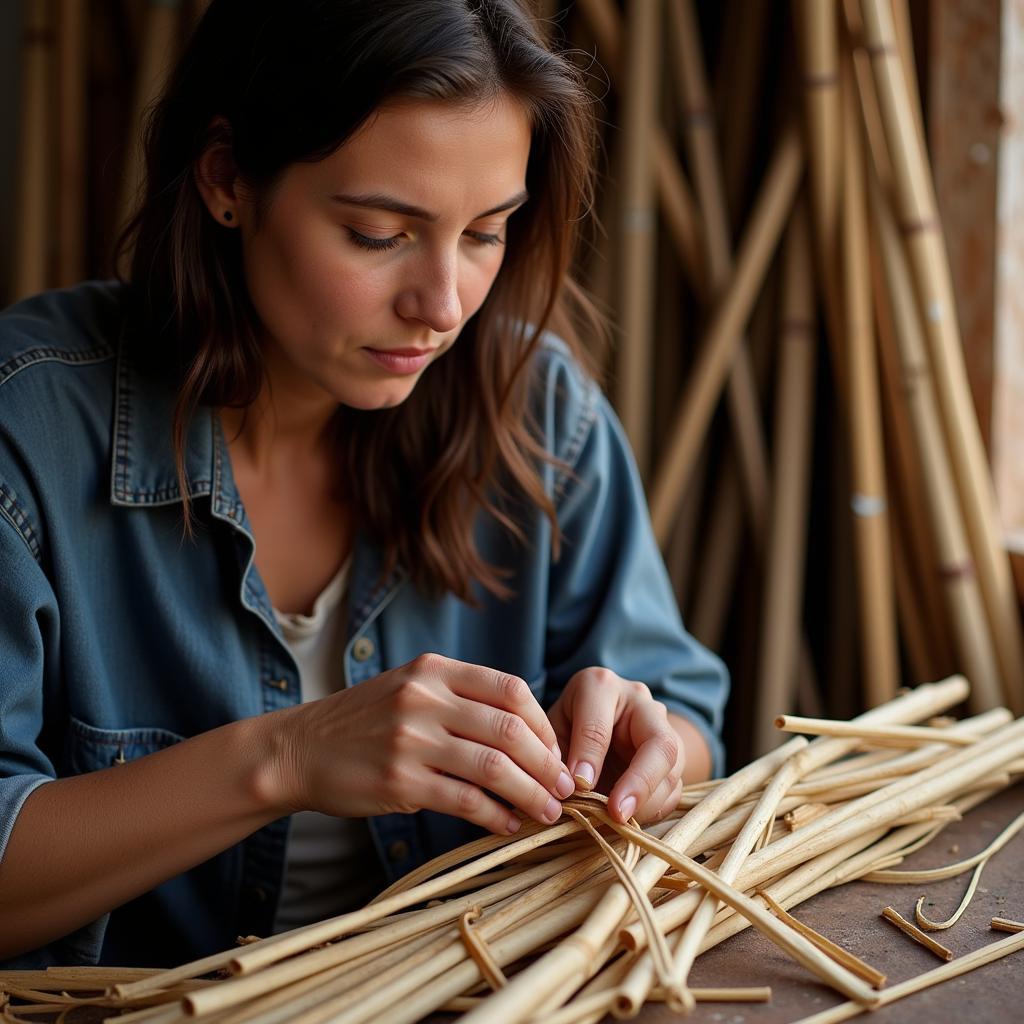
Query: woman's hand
point(434, 734)
point(618, 735)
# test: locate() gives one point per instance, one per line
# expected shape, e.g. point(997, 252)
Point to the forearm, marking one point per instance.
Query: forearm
point(698, 755)
point(84, 845)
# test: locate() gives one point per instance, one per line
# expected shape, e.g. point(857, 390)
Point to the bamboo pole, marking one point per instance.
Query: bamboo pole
point(637, 232)
point(677, 205)
point(880, 665)
point(71, 118)
point(33, 209)
point(739, 90)
point(971, 628)
point(717, 350)
point(888, 735)
point(159, 44)
point(702, 150)
point(816, 39)
point(794, 405)
point(926, 250)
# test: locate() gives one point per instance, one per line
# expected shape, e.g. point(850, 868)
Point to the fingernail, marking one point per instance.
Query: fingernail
point(513, 826)
point(584, 775)
point(627, 806)
point(565, 786)
point(553, 811)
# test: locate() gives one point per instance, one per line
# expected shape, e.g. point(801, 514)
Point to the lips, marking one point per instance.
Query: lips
point(401, 360)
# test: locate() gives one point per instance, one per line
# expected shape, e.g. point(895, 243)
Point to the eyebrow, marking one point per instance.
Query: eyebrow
point(380, 201)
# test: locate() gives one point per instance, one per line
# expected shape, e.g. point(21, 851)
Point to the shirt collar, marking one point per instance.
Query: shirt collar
point(142, 470)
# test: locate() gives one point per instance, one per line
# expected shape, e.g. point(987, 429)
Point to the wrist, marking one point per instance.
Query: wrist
point(272, 774)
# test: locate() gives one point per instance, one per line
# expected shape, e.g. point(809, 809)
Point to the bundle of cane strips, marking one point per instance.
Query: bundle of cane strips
point(588, 916)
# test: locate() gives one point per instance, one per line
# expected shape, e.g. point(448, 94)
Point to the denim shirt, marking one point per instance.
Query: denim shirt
point(119, 637)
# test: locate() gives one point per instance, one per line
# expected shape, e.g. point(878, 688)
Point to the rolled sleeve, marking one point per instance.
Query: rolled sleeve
point(28, 652)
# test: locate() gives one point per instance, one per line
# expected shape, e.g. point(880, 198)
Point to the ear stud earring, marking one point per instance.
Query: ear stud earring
point(228, 215)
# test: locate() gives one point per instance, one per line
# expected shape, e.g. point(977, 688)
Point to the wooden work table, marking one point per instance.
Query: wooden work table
point(849, 916)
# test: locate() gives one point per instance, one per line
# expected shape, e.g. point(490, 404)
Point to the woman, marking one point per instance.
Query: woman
point(315, 550)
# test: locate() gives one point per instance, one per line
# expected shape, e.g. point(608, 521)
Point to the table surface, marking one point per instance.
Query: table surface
point(850, 916)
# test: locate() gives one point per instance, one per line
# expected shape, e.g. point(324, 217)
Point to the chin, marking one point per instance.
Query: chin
point(373, 399)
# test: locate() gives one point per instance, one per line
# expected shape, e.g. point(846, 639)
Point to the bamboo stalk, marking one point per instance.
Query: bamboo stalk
point(914, 530)
point(33, 208)
point(636, 298)
point(971, 628)
point(923, 237)
point(880, 665)
point(819, 53)
point(784, 571)
point(678, 207)
point(702, 151)
point(717, 350)
point(159, 43)
point(894, 735)
point(71, 173)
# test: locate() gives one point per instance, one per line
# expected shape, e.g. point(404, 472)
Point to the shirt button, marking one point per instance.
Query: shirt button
point(362, 649)
point(279, 684)
point(398, 850)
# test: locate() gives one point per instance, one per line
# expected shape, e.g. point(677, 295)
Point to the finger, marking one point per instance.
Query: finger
point(661, 800)
point(493, 770)
point(657, 753)
point(462, 800)
point(595, 705)
point(503, 730)
point(500, 690)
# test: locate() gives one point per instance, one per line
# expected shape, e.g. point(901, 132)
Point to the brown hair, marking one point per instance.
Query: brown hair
point(287, 82)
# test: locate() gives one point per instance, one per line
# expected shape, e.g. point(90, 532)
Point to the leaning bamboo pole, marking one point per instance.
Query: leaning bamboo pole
point(877, 620)
point(637, 226)
point(914, 545)
point(159, 43)
point(33, 210)
point(701, 143)
point(732, 309)
point(971, 628)
point(818, 45)
point(71, 154)
point(926, 251)
point(794, 403)
point(677, 204)
point(741, 64)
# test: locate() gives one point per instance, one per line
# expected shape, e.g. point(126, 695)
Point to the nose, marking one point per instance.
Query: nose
point(433, 297)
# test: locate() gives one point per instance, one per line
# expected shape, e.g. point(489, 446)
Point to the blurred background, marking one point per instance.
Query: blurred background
point(808, 245)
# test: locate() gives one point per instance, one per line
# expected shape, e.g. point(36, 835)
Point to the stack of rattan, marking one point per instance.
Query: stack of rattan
point(567, 922)
point(787, 359)
point(880, 453)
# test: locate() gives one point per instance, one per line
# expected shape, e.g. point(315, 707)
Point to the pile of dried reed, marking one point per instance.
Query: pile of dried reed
point(567, 922)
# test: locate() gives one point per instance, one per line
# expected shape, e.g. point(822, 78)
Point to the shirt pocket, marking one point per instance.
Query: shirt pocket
point(90, 749)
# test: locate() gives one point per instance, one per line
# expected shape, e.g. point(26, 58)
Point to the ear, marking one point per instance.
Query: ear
point(216, 177)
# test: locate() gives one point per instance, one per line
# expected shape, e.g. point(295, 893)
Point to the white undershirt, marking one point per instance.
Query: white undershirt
point(330, 864)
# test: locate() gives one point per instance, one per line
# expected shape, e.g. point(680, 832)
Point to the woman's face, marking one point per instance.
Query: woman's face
point(367, 264)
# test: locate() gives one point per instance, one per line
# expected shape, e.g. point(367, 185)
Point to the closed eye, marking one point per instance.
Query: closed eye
point(374, 244)
point(485, 239)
